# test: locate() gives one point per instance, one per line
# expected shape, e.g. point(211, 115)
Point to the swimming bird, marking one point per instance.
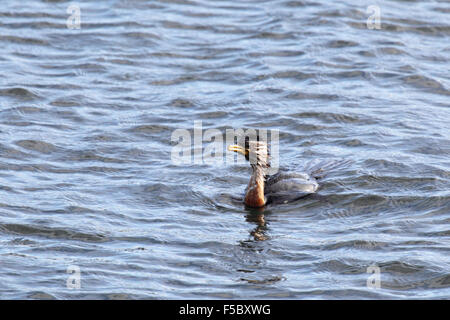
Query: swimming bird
point(282, 187)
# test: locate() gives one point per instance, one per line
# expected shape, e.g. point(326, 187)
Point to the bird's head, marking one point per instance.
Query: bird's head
point(255, 151)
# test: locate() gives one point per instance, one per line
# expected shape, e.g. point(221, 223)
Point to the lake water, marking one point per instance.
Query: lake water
point(92, 205)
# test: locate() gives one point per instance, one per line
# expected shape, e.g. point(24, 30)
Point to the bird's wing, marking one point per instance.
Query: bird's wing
point(289, 186)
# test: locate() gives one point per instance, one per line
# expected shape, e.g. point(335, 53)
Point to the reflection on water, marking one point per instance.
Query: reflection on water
point(259, 233)
point(86, 177)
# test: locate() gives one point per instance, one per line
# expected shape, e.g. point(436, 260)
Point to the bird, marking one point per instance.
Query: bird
point(282, 187)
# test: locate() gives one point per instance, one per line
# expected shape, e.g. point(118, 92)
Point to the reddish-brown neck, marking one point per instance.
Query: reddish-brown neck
point(255, 190)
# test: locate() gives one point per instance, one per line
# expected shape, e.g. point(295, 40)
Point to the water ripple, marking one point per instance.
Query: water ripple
point(86, 177)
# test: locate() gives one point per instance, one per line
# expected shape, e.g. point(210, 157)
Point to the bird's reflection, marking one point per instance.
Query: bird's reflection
point(254, 215)
point(257, 215)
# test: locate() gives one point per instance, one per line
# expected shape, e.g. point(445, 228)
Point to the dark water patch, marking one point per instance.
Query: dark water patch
point(12, 153)
point(24, 41)
point(341, 266)
point(341, 44)
point(19, 93)
point(41, 296)
point(329, 117)
point(36, 145)
point(47, 232)
point(182, 103)
point(35, 25)
point(426, 83)
point(310, 96)
point(392, 51)
point(150, 129)
point(267, 281)
point(358, 244)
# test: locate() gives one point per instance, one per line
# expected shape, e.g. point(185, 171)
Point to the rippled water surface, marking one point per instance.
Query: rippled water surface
point(86, 177)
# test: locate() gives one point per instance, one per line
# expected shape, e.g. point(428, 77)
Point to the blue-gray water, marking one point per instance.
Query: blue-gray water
point(86, 177)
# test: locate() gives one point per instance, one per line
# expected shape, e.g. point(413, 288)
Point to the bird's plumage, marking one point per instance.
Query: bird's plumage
point(284, 186)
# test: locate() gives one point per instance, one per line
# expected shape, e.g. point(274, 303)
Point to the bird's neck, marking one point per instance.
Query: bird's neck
point(255, 190)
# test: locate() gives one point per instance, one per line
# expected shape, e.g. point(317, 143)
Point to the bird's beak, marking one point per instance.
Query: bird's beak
point(238, 149)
